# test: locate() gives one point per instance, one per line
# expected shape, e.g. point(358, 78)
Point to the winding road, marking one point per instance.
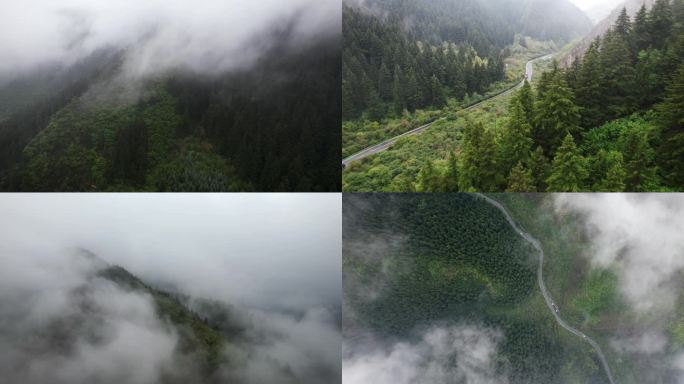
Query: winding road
point(529, 67)
point(547, 297)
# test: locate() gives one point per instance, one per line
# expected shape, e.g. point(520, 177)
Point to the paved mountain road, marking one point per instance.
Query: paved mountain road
point(529, 67)
point(547, 297)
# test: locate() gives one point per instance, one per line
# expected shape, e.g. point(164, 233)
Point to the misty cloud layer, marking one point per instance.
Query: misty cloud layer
point(209, 36)
point(275, 259)
point(640, 236)
point(457, 354)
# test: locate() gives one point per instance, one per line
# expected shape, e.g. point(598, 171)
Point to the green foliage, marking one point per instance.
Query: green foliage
point(424, 73)
point(556, 113)
point(459, 261)
point(521, 179)
point(196, 336)
point(671, 112)
point(568, 170)
point(247, 136)
point(598, 294)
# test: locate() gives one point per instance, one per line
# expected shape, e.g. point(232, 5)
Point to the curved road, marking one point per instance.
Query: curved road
point(547, 297)
point(388, 143)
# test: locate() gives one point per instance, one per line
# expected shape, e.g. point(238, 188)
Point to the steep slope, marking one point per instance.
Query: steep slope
point(196, 335)
point(602, 27)
point(554, 20)
point(273, 126)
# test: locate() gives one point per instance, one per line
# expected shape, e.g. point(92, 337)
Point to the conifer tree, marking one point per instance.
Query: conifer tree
point(451, 177)
point(540, 168)
point(671, 116)
point(568, 171)
point(639, 157)
point(609, 172)
point(556, 114)
point(589, 93)
point(640, 38)
point(618, 81)
point(516, 141)
point(521, 180)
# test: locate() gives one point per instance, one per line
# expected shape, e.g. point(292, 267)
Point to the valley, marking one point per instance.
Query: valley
point(489, 149)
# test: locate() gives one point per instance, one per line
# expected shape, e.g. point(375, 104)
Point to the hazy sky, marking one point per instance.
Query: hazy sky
point(588, 4)
point(260, 249)
point(275, 258)
point(206, 35)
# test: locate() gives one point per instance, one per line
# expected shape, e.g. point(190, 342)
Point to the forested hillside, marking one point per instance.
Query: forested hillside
point(272, 127)
point(407, 55)
point(413, 261)
point(613, 121)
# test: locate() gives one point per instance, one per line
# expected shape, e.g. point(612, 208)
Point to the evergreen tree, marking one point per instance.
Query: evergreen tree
point(588, 89)
point(521, 180)
point(398, 98)
point(568, 170)
point(618, 81)
point(660, 23)
point(385, 88)
point(609, 171)
point(540, 168)
point(671, 116)
point(623, 25)
point(478, 169)
point(639, 157)
point(437, 96)
point(516, 141)
point(451, 177)
point(429, 179)
point(556, 114)
point(641, 38)
point(526, 98)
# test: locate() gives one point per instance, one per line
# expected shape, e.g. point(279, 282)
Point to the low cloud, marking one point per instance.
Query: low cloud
point(460, 354)
point(274, 260)
point(640, 237)
point(209, 36)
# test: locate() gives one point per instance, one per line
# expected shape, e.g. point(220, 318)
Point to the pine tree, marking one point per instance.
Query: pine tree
point(589, 93)
point(384, 83)
point(437, 96)
point(399, 100)
point(556, 114)
point(568, 171)
point(641, 38)
point(429, 179)
point(478, 168)
point(639, 158)
point(521, 180)
point(469, 172)
point(618, 79)
point(660, 23)
point(671, 116)
point(623, 25)
point(516, 141)
point(540, 168)
point(609, 172)
point(451, 177)
point(526, 98)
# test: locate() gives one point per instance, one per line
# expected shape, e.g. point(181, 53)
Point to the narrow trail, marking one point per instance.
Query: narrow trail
point(529, 68)
point(547, 297)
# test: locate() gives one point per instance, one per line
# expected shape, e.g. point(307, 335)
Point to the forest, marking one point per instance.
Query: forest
point(613, 121)
point(272, 127)
point(414, 260)
point(408, 55)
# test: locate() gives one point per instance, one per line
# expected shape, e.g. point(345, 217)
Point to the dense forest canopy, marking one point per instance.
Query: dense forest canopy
point(610, 122)
point(415, 261)
point(125, 117)
point(405, 55)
